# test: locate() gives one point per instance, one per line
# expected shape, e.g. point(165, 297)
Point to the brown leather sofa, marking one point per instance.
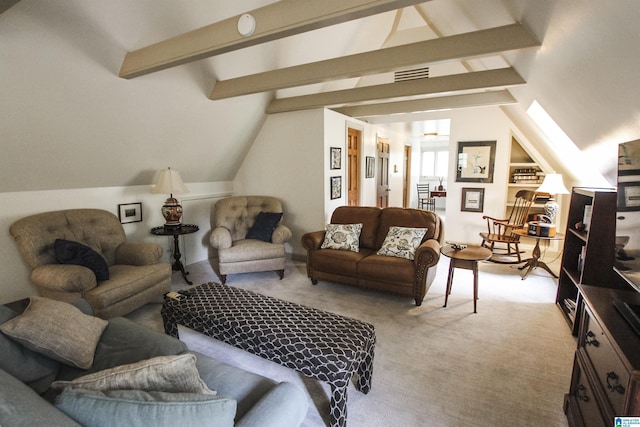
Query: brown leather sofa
point(365, 268)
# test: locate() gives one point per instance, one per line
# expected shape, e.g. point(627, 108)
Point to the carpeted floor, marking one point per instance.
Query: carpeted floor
point(508, 365)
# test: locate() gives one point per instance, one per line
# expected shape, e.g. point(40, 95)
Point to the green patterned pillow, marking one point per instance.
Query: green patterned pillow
point(402, 242)
point(345, 237)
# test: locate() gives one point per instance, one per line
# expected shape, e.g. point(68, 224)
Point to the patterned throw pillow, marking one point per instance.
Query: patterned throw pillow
point(402, 242)
point(344, 237)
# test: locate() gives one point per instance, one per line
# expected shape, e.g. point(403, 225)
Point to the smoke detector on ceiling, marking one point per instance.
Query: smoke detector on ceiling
point(246, 24)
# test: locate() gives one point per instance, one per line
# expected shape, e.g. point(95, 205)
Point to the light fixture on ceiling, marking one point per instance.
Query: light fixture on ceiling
point(553, 185)
point(169, 182)
point(246, 24)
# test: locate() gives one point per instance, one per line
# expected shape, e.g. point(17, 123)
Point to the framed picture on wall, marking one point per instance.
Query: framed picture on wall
point(130, 212)
point(370, 167)
point(472, 200)
point(475, 161)
point(335, 157)
point(336, 187)
point(628, 196)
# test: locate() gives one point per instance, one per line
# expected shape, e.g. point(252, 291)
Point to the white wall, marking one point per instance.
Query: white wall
point(15, 283)
point(286, 161)
point(477, 124)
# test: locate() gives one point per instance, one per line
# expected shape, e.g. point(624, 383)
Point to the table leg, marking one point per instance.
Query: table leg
point(338, 411)
point(449, 282)
point(475, 286)
point(534, 262)
point(177, 264)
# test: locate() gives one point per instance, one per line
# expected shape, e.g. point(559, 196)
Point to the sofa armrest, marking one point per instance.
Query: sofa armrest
point(138, 253)
point(220, 238)
point(283, 406)
point(64, 278)
point(427, 254)
point(313, 240)
point(281, 234)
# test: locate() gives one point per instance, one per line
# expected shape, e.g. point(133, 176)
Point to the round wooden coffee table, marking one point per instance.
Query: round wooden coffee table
point(466, 259)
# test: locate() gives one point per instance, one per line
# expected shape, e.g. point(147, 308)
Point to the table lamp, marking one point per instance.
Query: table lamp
point(169, 182)
point(553, 185)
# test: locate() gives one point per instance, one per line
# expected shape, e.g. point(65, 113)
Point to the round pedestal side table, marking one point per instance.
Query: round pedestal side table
point(176, 232)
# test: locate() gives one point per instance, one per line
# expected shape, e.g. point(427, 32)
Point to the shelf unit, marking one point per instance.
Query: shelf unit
point(520, 160)
point(588, 256)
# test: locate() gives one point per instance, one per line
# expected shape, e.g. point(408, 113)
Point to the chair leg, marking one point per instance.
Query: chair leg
point(223, 279)
point(280, 273)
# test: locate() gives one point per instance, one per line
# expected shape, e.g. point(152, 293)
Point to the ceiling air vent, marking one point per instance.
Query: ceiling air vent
point(414, 74)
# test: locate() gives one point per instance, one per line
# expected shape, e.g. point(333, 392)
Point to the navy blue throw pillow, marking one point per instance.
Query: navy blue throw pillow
point(264, 226)
point(70, 252)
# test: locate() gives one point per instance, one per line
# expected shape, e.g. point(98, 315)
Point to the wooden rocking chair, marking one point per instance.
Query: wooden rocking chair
point(500, 231)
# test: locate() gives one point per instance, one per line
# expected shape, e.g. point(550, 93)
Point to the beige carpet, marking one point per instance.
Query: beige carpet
point(508, 365)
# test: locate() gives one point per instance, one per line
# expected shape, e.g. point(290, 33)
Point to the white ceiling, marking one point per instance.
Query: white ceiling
point(64, 56)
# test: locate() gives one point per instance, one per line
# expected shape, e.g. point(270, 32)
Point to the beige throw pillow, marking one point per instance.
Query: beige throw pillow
point(343, 237)
point(58, 330)
point(171, 374)
point(402, 242)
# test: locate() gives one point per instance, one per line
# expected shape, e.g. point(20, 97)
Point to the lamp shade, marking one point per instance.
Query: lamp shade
point(553, 184)
point(169, 182)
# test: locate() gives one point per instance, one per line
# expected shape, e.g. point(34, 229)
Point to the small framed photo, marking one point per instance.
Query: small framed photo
point(370, 167)
point(336, 187)
point(130, 212)
point(628, 196)
point(472, 200)
point(335, 157)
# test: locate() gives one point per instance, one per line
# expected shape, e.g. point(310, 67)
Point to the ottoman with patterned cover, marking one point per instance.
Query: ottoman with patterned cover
point(316, 343)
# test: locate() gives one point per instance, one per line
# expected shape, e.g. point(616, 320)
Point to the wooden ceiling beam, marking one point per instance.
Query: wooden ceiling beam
point(502, 77)
point(277, 20)
point(460, 46)
point(481, 99)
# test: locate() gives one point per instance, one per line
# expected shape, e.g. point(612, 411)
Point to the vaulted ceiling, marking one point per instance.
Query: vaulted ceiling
point(78, 71)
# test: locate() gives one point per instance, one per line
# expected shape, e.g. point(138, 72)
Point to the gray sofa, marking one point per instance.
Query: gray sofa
point(28, 399)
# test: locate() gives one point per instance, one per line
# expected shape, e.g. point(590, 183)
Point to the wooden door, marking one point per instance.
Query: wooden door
point(353, 166)
point(383, 173)
point(406, 177)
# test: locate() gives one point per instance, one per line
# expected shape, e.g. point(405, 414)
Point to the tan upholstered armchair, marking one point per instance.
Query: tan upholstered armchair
point(248, 236)
point(98, 264)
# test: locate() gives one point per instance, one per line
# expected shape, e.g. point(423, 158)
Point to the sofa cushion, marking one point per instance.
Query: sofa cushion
point(34, 369)
point(70, 252)
point(402, 242)
point(345, 237)
point(139, 408)
point(58, 330)
point(172, 374)
point(264, 226)
point(368, 216)
point(22, 406)
point(389, 269)
point(339, 262)
point(402, 217)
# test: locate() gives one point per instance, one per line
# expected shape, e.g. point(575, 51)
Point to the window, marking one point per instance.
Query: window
point(435, 163)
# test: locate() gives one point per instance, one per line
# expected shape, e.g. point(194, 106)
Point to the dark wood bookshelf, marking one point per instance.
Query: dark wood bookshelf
point(588, 255)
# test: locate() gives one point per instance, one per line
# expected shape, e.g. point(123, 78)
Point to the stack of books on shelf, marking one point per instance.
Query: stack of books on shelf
point(527, 176)
point(570, 306)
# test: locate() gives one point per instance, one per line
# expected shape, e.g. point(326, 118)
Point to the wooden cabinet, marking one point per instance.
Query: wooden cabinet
point(588, 256)
point(606, 371)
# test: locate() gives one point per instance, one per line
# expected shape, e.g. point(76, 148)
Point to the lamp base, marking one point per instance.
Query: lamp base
point(172, 212)
point(551, 209)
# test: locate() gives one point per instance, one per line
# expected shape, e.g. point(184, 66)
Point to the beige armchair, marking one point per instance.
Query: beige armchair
point(248, 236)
point(113, 275)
